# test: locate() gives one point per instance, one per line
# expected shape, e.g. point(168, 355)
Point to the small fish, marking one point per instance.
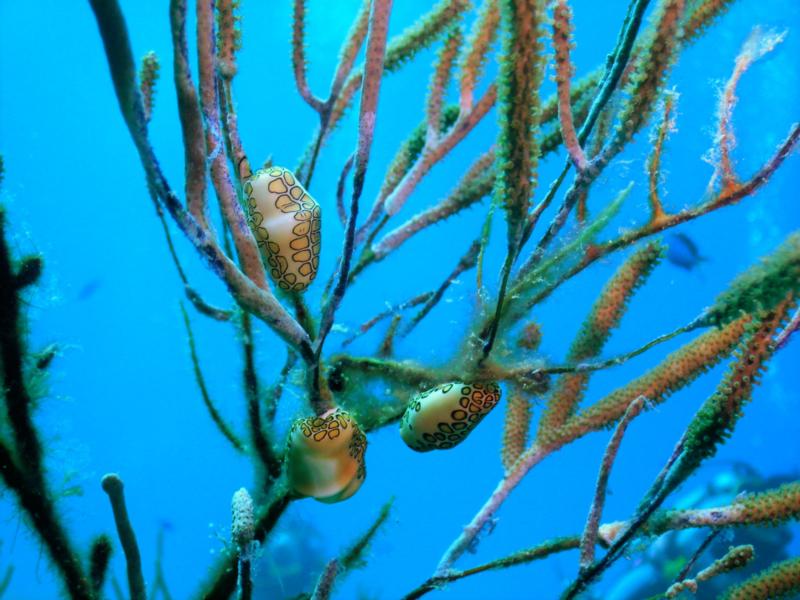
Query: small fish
point(89, 289)
point(683, 252)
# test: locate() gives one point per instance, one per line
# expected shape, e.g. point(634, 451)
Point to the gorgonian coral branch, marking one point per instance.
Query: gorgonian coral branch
point(665, 127)
point(299, 55)
point(777, 581)
point(756, 47)
point(190, 117)
point(259, 301)
point(114, 488)
point(650, 70)
point(148, 76)
point(376, 46)
point(769, 507)
point(611, 78)
point(678, 370)
point(21, 456)
point(400, 50)
point(473, 57)
point(562, 41)
point(521, 69)
point(229, 36)
point(476, 183)
point(351, 558)
point(349, 51)
point(466, 262)
point(600, 250)
point(243, 238)
point(603, 318)
point(736, 558)
point(435, 152)
point(516, 427)
point(711, 426)
point(215, 415)
point(391, 310)
point(520, 78)
point(589, 537)
point(440, 80)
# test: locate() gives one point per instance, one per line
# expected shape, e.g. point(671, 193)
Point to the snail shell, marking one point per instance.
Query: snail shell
point(325, 456)
point(442, 417)
point(286, 221)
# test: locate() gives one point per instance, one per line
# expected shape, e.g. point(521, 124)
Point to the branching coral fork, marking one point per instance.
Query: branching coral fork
point(376, 48)
point(430, 156)
point(706, 350)
point(615, 68)
point(775, 505)
point(259, 300)
point(589, 537)
point(720, 200)
point(243, 238)
point(347, 57)
point(587, 172)
point(438, 145)
point(756, 47)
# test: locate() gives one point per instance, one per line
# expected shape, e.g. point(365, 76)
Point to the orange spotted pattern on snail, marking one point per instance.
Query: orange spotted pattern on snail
point(442, 417)
point(286, 221)
point(325, 456)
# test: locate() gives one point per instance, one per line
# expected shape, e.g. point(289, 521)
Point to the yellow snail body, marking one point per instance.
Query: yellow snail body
point(442, 417)
point(325, 456)
point(286, 221)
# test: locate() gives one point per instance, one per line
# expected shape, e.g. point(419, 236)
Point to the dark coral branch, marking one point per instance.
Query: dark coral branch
point(114, 488)
point(219, 421)
point(258, 434)
point(376, 47)
point(392, 310)
point(38, 506)
point(465, 263)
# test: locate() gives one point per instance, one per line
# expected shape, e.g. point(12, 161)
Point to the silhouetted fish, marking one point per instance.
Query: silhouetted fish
point(683, 252)
point(89, 289)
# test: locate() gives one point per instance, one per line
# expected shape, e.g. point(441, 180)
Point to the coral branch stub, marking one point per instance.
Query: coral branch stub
point(286, 221)
point(325, 456)
point(442, 417)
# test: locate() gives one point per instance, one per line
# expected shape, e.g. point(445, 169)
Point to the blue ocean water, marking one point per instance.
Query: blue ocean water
point(122, 393)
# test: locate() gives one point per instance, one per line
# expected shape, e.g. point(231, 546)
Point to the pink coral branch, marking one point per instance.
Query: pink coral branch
point(299, 56)
point(434, 153)
point(589, 537)
point(243, 239)
point(439, 82)
point(349, 52)
point(484, 32)
point(529, 459)
point(441, 211)
point(562, 33)
point(190, 117)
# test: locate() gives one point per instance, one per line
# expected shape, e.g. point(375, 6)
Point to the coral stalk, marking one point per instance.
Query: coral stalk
point(589, 537)
point(376, 46)
point(562, 40)
point(114, 488)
